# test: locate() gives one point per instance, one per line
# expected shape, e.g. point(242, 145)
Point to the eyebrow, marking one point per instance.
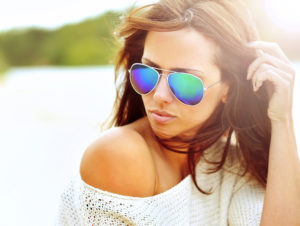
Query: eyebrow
point(151, 63)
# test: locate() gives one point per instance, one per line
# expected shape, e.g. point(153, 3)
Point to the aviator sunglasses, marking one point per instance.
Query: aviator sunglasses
point(187, 88)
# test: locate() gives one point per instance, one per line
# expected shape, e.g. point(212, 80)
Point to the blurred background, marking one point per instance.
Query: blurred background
point(56, 88)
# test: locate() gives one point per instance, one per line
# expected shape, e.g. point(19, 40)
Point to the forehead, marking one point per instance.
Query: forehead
point(186, 47)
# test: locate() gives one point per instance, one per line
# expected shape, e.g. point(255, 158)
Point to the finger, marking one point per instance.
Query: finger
point(274, 75)
point(272, 48)
point(268, 59)
point(270, 68)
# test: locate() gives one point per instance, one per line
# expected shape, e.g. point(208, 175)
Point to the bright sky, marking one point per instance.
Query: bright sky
point(55, 13)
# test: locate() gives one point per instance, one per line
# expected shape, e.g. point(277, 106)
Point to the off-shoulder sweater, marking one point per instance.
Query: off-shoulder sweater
point(234, 200)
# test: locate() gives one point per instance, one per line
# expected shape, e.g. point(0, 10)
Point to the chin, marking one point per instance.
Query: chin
point(164, 131)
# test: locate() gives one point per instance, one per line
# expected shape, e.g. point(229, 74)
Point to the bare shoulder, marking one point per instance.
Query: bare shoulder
point(120, 162)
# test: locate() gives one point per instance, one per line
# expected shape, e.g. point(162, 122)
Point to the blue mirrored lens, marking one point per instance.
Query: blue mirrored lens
point(143, 78)
point(187, 88)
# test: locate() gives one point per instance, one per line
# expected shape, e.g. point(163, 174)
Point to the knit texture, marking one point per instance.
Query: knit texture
point(235, 200)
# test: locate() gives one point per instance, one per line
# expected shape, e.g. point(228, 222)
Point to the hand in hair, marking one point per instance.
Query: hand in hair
point(273, 69)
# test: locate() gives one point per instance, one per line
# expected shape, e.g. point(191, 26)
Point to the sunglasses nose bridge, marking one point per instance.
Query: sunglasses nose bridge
point(162, 91)
point(162, 72)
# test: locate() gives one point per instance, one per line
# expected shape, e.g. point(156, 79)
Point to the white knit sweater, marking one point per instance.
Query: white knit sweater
point(235, 200)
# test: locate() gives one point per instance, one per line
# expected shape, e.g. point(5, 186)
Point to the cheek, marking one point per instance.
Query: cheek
point(203, 111)
point(146, 99)
point(214, 95)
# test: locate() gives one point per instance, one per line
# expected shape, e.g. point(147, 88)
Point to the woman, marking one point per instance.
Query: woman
point(191, 74)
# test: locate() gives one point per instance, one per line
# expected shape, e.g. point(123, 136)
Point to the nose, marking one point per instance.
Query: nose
point(162, 93)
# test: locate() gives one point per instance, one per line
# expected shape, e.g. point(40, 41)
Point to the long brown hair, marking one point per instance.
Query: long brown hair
point(230, 26)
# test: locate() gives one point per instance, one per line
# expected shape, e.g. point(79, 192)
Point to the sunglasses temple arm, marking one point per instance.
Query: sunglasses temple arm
point(205, 88)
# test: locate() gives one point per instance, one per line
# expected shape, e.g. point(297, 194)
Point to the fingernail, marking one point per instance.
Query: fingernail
point(258, 84)
point(254, 87)
point(260, 52)
point(251, 43)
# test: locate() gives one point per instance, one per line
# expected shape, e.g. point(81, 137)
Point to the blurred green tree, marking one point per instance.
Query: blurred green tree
point(3, 64)
point(88, 43)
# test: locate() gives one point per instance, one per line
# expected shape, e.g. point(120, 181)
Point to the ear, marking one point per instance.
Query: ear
point(225, 93)
point(224, 100)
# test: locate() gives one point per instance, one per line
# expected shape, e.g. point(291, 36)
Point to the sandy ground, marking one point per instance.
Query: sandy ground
point(48, 117)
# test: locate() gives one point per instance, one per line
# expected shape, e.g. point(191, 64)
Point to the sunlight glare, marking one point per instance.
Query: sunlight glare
point(284, 13)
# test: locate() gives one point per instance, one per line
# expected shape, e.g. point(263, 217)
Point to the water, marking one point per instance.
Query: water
point(48, 117)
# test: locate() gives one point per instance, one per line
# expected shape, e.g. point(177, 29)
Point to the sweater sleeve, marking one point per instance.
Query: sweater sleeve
point(80, 207)
point(246, 205)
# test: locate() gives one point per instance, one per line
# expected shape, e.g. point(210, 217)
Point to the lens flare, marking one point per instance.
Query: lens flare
point(285, 14)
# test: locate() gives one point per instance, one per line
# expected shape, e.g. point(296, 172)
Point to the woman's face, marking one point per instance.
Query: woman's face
point(182, 49)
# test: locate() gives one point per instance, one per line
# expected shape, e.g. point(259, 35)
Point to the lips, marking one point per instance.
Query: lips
point(161, 116)
point(161, 113)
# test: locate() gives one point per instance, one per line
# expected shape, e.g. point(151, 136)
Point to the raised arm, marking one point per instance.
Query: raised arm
point(282, 196)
